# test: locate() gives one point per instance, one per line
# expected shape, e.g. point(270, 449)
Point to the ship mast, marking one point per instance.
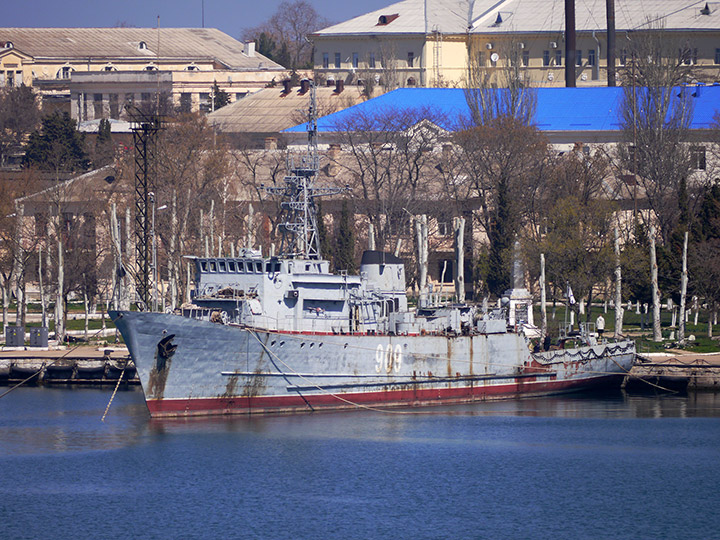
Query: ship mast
point(299, 219)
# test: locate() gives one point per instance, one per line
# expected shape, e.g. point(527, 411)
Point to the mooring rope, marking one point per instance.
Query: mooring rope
point(113, 394)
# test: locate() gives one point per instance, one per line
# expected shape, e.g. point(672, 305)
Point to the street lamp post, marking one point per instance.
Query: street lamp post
point(151, 196)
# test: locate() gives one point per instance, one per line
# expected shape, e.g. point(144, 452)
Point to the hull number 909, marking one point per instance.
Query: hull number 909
point(388, 359)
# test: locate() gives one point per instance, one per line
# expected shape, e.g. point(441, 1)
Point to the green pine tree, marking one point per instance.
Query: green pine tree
point(220, 97)
point(345, 242)
point(501, 236)
point(707, 224)
point(58, 146)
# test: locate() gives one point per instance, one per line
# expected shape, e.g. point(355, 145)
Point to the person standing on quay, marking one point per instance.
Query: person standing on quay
point(600, 325)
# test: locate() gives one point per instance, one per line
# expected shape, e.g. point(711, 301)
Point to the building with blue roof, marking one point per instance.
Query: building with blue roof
point(565, 115)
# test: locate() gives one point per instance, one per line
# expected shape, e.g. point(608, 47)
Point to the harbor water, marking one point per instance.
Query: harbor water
point(581, 466)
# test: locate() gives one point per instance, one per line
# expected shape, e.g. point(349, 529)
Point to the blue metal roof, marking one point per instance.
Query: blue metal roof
point(558, 109)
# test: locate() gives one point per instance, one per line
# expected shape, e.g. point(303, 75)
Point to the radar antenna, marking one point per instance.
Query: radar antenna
point(299, 219)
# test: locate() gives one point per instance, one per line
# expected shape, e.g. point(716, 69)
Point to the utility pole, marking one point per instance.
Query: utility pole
point(570, 43)
point(610, 16)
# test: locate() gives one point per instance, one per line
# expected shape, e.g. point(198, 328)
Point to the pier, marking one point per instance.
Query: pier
point(79, 366)
point(675, 371)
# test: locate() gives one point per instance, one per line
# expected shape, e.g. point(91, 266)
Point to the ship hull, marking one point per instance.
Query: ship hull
point(189, 367)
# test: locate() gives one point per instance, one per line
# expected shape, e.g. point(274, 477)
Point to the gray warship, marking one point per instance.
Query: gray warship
point(282, 334)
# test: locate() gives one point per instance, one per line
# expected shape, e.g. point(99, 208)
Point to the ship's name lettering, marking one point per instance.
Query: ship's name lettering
point(388, 359)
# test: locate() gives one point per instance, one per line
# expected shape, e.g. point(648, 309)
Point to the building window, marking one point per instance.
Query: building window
point(578, 58)
point(64, 72)
point(185, 102)
point(337, 59)
point(411, 81)
point(717, 56)
point(142, 45)
point(623, 57)
point(444, 228)
point(371, 60)
point(697, 157)
point(591, 57)
point(688, 56)
point(98, 105)
point(411, 58)
point(525, 58)
point(205, 102)
point(150, 68)
point(558, 58)
point(355, 59)
point(326, 60)
point(546, 58)
point(114, 106)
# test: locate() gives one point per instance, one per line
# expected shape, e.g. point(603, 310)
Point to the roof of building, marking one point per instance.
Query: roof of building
point(503, 16)
point(558, 109)
point(189, 44)
point(271, 110)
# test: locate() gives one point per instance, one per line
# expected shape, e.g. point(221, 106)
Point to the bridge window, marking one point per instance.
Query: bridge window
point(213, 268)
point(221, 266)
point(258, 267)
point(231, 266)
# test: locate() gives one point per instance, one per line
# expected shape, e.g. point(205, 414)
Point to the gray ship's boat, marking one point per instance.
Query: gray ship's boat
point(284, 334)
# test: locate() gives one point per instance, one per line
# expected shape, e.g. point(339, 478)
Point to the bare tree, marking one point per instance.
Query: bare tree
point(502, 162)
point(18, 243)
point(389, 77)
point(191, 169)
point(389, 156)
point(655, 117)
point(503, 89)
point(19, 116)
point(253, 169)
point(286, 34)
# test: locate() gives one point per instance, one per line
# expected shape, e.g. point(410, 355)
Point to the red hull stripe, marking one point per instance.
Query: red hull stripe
point(404, 397)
